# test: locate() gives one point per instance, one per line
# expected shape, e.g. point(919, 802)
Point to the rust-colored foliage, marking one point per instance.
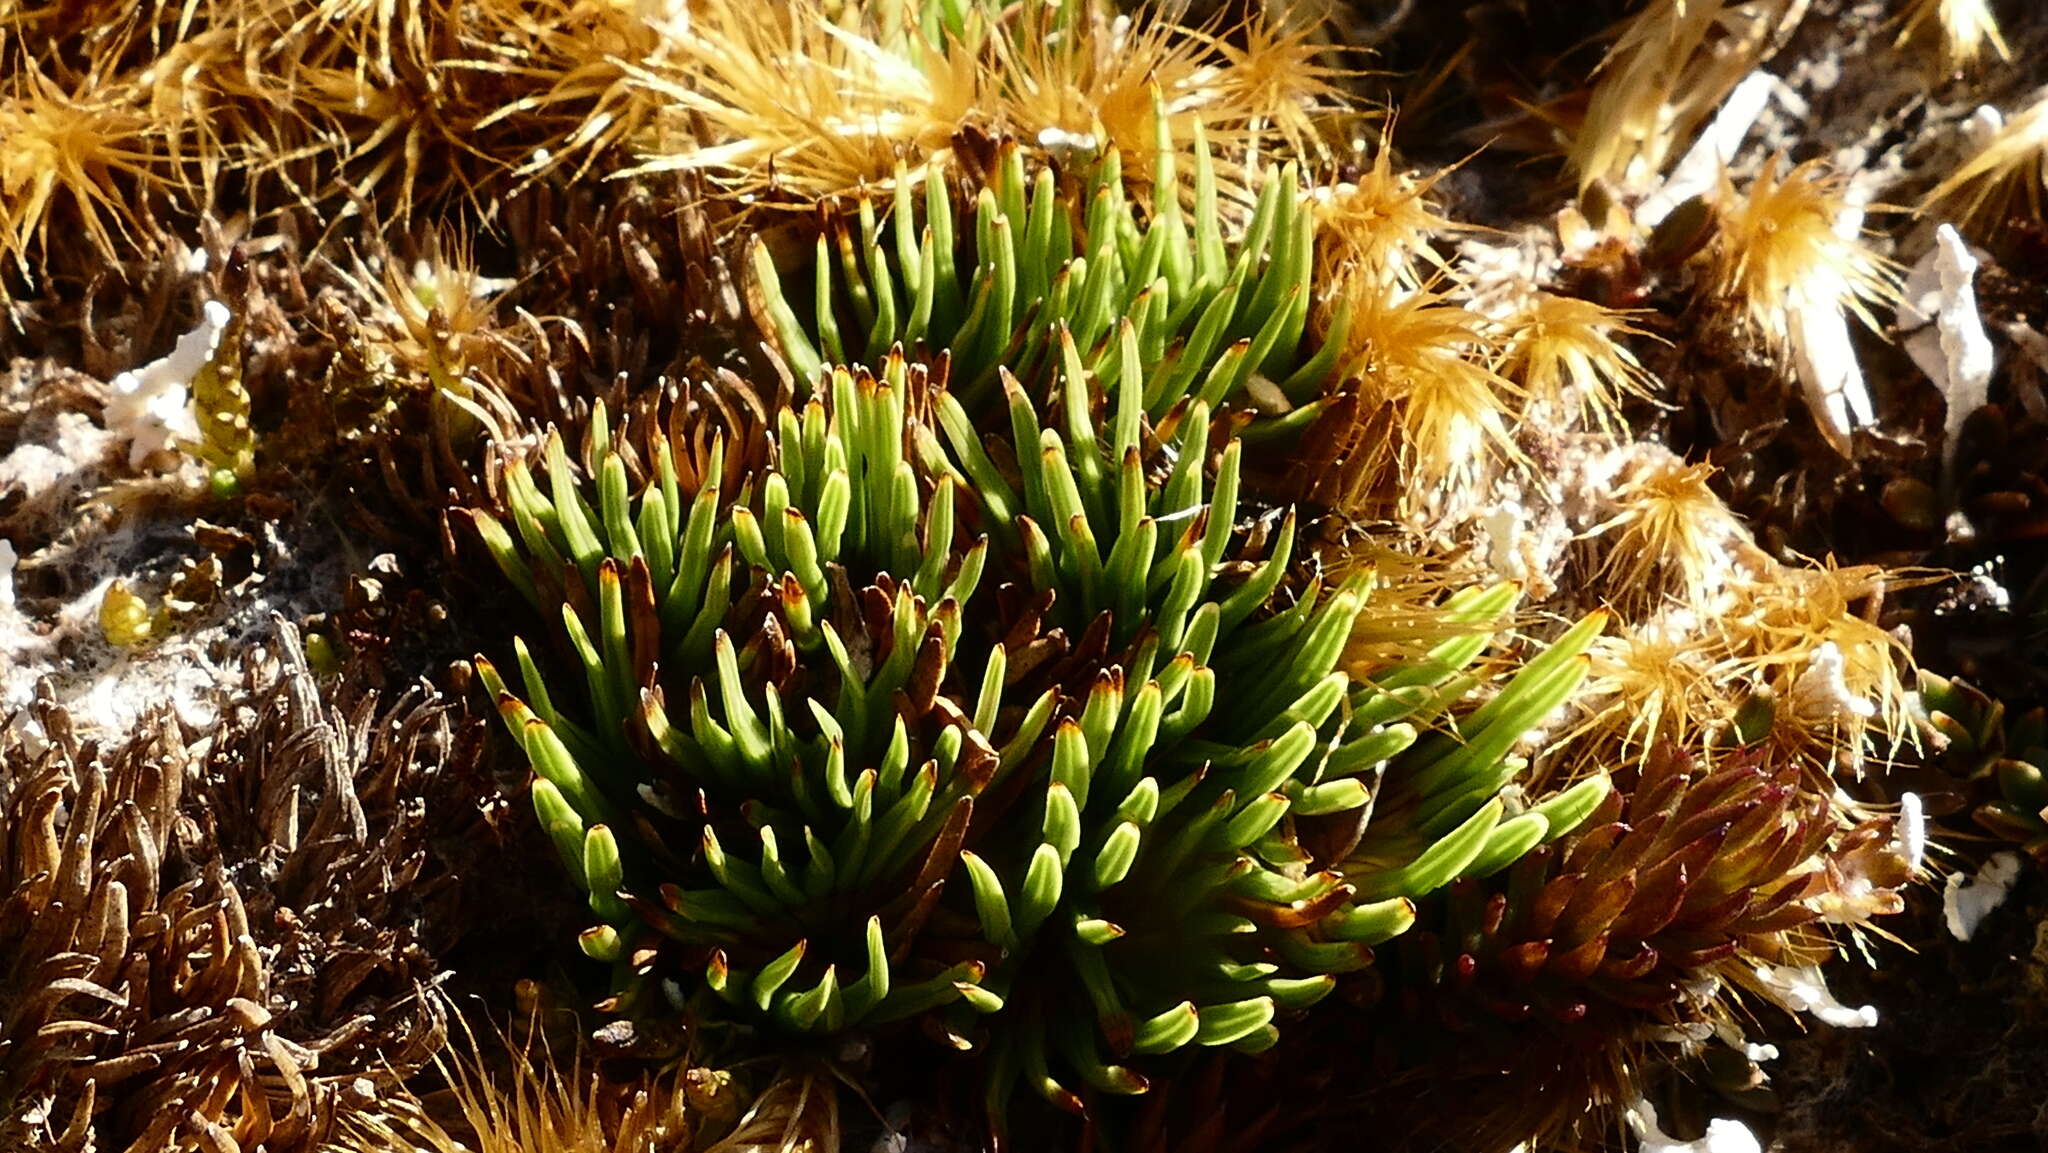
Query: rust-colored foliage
point(1550, 973)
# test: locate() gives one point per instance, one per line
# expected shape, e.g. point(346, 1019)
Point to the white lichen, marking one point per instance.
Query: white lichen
point(1824, 359)
point(1723, 1135)
point(1822, 691)
point(1966, 901)
point(1802, 989)
point(151, 407)
point(1944, 334)
point(1910, 835)
point(1699, 171)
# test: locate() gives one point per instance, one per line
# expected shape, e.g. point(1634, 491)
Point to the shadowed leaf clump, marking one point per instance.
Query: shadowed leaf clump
point(1561, 971)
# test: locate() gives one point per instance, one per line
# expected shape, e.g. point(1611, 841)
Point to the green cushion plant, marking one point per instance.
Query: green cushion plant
point(833, 764)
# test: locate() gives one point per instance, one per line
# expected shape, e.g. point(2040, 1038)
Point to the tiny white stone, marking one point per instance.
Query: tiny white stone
point(1983, 124)
point(8, 557)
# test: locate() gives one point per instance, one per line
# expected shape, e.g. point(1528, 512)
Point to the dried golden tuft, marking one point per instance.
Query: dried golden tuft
point(1653, 683)
point(1790, 656)
point(1966, 27)
point(1671, 540)
point(1563, 350)
point(526, 1099)
point(544, 1107)
point(814, 100)
point(1780, 251)
point(797, 99)
point(1377, 230)
point(1427, 360)
point(2006, 177)
point(1790, 265)
point(1716, 629)
point(578, 98)
point(1080, 77)
point(81, 159)
point(1811, 636)
point(1271, 75)
point(199, 94)
point(1674, 63)
point(1415, 603)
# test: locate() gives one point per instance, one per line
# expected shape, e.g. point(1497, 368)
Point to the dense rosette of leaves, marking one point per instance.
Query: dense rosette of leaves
point(1056, 274)
point(1077, 786)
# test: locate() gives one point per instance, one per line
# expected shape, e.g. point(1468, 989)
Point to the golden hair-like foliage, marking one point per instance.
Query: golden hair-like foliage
point(1714, 625)
point(796, 98)
point(1377, 229)
point(1671, 540)
point(1674, 63)
point(526, 1099)
point(1090, 80)
point(1799, 644)
point(568, 66)
point(1573, 353)
point(72, 156)
point(1429, 361)
point(1811, 636)
point(1966, 27)
point(1652, 683)
point(810, 102)
point(2004, 178)
point(1779, 250)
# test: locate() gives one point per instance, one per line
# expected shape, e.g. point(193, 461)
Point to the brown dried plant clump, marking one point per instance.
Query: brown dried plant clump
point(218, 944)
